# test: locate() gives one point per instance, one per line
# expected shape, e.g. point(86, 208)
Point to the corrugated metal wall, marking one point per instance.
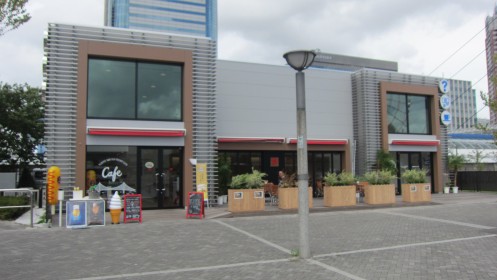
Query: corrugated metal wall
point(60, 75)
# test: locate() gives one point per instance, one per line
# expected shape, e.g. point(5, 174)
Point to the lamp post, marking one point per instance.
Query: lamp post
point(301, 60)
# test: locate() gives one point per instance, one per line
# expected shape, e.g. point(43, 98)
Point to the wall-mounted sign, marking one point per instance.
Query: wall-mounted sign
point(444, 86)
point(445, 101)
point(446, 118)
point(275, 162)
point(149, 164)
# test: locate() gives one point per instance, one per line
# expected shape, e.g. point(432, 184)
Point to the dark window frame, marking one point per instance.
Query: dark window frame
point(408, 129)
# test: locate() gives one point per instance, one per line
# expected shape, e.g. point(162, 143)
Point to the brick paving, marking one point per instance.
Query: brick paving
point(455, 237)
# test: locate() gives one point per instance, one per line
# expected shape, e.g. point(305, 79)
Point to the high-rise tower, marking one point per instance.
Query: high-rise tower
point(195, 18)
point(491, 47)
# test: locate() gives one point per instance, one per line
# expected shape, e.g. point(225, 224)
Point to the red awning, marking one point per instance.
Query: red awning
point(250, 140)
point(416, 142)
point(137, 132)
point(321, 141)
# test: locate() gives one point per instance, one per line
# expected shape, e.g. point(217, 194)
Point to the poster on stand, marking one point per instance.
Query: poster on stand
point(76, 214)
point(95, 212)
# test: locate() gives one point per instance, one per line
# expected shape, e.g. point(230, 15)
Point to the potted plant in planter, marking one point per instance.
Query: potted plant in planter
point(339, 190)
point(246, 193)
point(415, 187)
point(380, 189)
point(456, 162)
point(288, 193)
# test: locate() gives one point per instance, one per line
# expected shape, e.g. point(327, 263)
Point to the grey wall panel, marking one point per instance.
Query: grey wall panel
point(260, 100)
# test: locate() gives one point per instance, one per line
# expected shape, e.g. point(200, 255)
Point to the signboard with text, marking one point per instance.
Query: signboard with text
point(132, 207)
point(195, 205)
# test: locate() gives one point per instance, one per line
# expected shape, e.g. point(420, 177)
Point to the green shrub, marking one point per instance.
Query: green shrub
point(342, 179)
point(381, 177)
point(239, 181)
point(13, 213)
point(252, 180)
point(414, 176)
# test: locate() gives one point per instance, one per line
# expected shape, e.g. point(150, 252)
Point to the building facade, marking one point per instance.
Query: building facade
point(398, 113)
point(256, 119)
point(129, 109)
point(463, 105)
point(491, 50)
point(351, 63)
point(194, 18)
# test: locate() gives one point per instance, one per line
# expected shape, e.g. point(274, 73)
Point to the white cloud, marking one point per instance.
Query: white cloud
point(419, 35)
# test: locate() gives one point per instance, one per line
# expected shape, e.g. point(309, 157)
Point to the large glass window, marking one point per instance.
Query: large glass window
point(134, 90)
point(408, 114)
point(159, 91)
point(111, 89)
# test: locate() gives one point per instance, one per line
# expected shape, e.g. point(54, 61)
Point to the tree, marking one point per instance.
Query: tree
point(12, 15)
point(21, 126)
point(477, 158)
point(385, 161)
point(456, 162)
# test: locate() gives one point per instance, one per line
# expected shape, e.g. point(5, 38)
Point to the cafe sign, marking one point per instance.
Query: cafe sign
point(111, 169)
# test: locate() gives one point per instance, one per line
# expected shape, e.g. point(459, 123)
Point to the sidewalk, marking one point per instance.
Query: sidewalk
point(217, 211)
point(454, 237)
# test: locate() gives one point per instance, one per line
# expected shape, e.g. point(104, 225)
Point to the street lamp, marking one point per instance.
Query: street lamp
point(301, 60)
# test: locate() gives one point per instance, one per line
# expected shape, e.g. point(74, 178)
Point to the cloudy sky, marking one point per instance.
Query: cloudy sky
point(420, 35)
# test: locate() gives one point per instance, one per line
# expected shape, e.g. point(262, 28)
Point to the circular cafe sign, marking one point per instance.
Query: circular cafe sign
point(149, 164)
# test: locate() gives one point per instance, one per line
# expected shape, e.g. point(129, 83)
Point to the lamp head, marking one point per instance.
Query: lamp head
point(300, 60)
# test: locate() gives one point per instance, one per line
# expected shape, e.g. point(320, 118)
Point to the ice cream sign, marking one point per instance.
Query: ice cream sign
point(112, 171)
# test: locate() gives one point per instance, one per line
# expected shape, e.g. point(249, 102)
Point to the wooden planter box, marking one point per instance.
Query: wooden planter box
point(245, 200)
point(288, 198)
point(339, 196)
point(379, 194)
point(420, 192)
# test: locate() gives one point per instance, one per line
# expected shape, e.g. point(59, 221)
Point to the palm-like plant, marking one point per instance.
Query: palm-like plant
point(455, 163)
point(385, 161)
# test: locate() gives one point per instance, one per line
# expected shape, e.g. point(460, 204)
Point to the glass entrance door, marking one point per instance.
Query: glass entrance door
point(160, 177)
point(413, 160)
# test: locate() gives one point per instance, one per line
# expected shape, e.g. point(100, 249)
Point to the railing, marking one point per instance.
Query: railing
point(31, 201)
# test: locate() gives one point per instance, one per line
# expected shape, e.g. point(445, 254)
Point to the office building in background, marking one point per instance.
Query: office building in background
point(491, 47)
point(194, 18)
point(463, 106)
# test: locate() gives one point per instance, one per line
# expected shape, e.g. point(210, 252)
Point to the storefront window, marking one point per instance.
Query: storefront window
point(134, 90)
point(111, 166)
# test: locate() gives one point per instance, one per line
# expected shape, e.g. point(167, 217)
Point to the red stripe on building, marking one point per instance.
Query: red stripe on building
point(416, 142)
point(320, 141)
point(136, 132)
point(249, 140)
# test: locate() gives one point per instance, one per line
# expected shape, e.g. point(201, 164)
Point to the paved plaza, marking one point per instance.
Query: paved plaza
point(455, 237)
